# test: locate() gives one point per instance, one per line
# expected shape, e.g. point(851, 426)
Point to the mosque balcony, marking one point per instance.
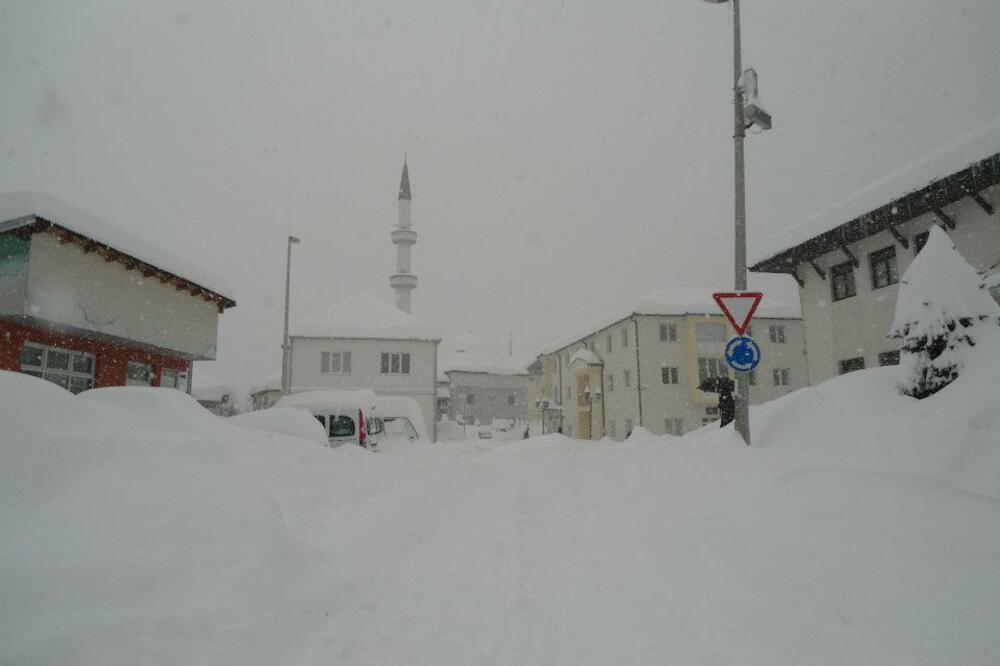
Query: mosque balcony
point(404, 236)
point(403, 281)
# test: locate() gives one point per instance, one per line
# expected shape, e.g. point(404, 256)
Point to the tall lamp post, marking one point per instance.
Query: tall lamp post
point(759, 117)
point(286, 350)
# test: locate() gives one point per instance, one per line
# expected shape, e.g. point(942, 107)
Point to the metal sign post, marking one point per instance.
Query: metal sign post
point(742, 352)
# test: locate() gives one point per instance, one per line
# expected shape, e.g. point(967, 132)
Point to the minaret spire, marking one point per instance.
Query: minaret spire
point(403, 281)
point(404, 182)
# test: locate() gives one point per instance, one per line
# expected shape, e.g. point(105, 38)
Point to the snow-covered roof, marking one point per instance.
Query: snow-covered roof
point(364, 316)
point(332, 399)
point(781, 300)
point(19, 207)
point(468, 361)
point(949, 158)
point(585, 356)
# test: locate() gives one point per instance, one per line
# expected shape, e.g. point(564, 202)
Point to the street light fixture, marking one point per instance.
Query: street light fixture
point(762, 119)
point(286, 351)
point(591, 398)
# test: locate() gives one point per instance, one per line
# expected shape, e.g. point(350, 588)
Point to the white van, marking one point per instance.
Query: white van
point(348, 416)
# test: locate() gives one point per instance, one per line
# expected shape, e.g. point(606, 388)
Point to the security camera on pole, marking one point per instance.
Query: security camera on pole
point(744, 85)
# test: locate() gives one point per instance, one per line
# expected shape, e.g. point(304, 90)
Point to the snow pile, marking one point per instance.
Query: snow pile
point(364, 316)
point(863, 526)
point(283, 420)
point(941, 310)
point(584, 356)
point(328, 399)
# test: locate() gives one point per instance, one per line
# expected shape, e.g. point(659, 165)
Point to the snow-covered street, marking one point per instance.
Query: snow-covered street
point(160, 534)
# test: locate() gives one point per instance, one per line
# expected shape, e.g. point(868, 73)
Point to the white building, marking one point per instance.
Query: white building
point(647, 359)
point(367, 343)
point(483, 387)
point(849, 257)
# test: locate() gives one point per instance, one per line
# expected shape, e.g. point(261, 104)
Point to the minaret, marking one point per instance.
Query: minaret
point(403, 237)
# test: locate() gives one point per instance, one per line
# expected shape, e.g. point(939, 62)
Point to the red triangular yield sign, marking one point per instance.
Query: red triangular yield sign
point(739, 306)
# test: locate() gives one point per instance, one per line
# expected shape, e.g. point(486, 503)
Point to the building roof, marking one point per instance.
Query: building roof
point(958, 168)
point(404, 184)
point(364, 316)
point(493, 364)
point(781, 300)
point(35, 211)
point(585, 356)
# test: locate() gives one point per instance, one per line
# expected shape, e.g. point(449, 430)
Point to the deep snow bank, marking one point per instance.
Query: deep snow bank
point(862, 527)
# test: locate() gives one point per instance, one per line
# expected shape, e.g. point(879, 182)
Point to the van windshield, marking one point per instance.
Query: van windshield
point(341, 426)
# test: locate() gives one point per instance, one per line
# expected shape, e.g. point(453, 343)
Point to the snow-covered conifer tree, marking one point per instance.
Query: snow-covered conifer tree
point(941, 302)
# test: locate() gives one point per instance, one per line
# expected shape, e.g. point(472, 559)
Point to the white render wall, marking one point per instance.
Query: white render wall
point(857, 326)
point(68, 286)
point(420, 384)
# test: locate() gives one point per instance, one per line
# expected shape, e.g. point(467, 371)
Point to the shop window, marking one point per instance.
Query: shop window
point(70, 369)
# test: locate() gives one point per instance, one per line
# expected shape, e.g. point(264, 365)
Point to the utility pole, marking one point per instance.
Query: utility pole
point(739, 125)
point(742, 410)
point(286, 351)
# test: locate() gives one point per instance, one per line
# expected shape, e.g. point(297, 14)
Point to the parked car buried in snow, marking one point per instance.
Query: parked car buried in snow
point(349, 417)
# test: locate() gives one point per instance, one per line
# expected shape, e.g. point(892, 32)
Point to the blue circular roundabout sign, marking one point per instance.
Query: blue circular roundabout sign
point(742, 353)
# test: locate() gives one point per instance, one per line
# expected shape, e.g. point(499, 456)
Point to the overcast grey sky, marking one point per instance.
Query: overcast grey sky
point(565, 156)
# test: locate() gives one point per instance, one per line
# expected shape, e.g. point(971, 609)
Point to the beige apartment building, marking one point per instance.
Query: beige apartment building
point(641, 366)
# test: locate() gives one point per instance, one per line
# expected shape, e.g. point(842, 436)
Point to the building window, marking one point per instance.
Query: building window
point(842, 281)
point(72, 370)
point(169, 378)
point(624, 338)
point(512, 399)
point(607, 344)
point(395, 363)
point(338, 363)
point(673, 426)
point(711, 415)
point(781, 376)
point(889, 358)
point(852, 364)
point(777, 333)
point(669, 375)
point(626, 379)
point(711, 367)
point(611, 382)
point(668, 332)
point(139, 374)
point(883, 266)
point(711, 332)
point(919, 241)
